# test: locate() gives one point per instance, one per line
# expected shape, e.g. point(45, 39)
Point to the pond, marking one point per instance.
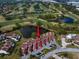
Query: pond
point(28, 30)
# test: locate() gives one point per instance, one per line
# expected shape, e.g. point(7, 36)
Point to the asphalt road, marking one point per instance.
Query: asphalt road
point(60, 50)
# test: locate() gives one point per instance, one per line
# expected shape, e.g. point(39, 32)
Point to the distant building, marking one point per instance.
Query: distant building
point(69, 2)
point(62, 1)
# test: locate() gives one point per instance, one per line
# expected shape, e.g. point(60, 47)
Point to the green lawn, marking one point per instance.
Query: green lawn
point(11, 22)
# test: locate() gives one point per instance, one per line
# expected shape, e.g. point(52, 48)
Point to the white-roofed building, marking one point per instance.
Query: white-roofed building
point(3, 52)
point(70, 36)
